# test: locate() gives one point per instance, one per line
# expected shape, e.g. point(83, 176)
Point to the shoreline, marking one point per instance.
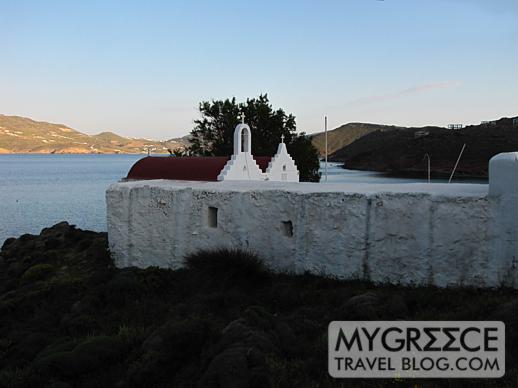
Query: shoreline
point(434, 174)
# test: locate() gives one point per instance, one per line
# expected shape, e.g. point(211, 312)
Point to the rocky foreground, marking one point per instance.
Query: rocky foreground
point(68, 318)
point(401, 151)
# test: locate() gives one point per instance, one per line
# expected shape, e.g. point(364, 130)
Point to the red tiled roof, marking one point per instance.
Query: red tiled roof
point(189, 168)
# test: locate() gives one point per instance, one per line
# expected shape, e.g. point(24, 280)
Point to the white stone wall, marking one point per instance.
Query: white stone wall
point(412, 234)
point(408, 238)
point(503, 189)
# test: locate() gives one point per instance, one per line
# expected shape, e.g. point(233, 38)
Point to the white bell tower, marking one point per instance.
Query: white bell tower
point(242, 165)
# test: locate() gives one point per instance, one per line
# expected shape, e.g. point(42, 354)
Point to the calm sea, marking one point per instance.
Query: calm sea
point(37, 191)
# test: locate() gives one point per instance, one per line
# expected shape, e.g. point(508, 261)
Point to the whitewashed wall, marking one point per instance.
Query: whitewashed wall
point(445, 235)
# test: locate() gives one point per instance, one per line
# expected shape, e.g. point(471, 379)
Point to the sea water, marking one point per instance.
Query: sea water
point(37, 191)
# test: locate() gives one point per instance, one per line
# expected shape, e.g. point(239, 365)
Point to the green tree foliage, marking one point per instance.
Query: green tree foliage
point(213, 133)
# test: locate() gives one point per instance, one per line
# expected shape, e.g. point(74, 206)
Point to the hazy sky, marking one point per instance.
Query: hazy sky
point(140, 68)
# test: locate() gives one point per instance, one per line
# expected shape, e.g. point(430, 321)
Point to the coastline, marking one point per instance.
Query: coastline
point(435, 175)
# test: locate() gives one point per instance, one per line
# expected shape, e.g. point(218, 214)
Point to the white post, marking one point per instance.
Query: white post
point(428, 157)
point(325, 130)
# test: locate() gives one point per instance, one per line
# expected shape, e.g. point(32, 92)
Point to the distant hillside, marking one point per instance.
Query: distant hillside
point(184, 140)
point(23, 135)
point(402, 151)
point(344, 135)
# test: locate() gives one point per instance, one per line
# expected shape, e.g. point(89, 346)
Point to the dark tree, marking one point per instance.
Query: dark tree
point(213, 133)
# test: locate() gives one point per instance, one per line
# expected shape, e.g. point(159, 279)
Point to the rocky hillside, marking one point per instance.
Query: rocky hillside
point(23, 135)
point(402, 151)
point(344, 135)
point(69, 318)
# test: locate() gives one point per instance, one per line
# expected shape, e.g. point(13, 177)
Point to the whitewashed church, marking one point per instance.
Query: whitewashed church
point(412, 234)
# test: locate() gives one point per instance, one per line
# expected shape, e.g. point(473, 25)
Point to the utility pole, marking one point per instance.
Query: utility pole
point(325, 130)
point(428, 157)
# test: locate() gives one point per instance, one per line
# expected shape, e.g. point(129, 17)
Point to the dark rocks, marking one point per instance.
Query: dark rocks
point(8, 242)
point(38, 257)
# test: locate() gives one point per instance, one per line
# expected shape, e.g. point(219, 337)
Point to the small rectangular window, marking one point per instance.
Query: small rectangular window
point(213, 217)
point(287, 228)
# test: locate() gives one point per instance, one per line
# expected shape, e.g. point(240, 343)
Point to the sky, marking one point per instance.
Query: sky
point(140, 68)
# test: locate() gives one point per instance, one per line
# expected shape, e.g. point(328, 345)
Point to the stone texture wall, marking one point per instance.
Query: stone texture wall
point(438, 234)
point(407, 238)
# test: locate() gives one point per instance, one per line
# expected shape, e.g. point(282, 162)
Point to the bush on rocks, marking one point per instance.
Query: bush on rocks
point(68, 318)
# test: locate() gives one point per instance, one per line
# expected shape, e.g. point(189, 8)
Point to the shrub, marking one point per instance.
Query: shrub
point(19, 378)
point(228, 267)
point(130, 335)
point(91, 354)
point(37, 272)
point(172, 350)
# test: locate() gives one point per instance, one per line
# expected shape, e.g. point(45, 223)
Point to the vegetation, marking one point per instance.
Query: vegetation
point(68, 318)
point(213, 134)
point(344, 135)
point(406, 151)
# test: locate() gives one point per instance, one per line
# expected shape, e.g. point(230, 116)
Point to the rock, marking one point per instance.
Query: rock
point(8, 242)
point(56, 252)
